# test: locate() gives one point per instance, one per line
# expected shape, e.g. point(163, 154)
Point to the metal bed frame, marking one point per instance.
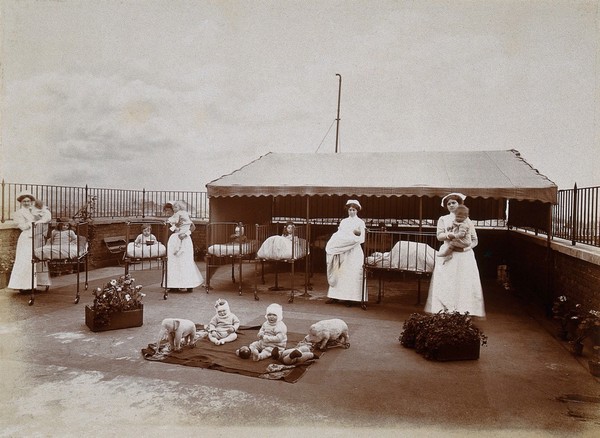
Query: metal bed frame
point(136, 259)
point(82, 231)
point(416, 255)
point(300, 234)
point(224, 248)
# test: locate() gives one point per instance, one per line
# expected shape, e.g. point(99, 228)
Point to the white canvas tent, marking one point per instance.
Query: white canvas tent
point(408, 184)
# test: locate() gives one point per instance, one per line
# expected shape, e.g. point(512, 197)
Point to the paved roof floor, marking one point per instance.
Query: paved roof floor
point(61, 379)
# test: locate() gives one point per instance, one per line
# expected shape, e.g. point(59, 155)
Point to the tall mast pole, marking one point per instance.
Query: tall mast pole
point(337, 130)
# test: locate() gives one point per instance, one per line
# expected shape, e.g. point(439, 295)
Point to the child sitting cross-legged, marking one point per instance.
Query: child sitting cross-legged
point(223, 326)
point(273, 333)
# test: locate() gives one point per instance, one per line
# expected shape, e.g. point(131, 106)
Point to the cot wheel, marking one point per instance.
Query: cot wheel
point(291, 300)
point(47, 287)
point(363, 306)
point(31, 300)
point(165, 296)
point(76, 300)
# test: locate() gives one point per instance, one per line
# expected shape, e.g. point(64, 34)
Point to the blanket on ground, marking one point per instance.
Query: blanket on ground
point(223, 358)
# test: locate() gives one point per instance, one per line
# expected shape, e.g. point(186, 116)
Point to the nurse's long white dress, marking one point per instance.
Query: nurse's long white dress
point(20, 277)
point(182, 271)
point(345, 260)
point(455, 285)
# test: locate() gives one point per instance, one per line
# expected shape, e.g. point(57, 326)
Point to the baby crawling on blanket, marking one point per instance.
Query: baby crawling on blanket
point(273, 333)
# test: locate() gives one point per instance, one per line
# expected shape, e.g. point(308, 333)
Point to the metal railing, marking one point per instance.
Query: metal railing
point(65, 201)
point(576, 216)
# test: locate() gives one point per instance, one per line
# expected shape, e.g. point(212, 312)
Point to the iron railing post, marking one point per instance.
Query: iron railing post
point(3, 204)
point(574, 217)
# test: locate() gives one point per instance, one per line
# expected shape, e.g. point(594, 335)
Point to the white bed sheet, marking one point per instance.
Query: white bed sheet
point(282, 248)
point(405, 256)
point(233, 248)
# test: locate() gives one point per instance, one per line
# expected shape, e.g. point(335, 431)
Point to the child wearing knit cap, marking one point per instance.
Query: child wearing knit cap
point(223, 326)
point(273, 333)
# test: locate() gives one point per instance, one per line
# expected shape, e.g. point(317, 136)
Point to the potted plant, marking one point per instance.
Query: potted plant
point(6, 265)
point(594, 362)
point(588, 326)
point(567, 315)
point(116, 305)
point(443, 336)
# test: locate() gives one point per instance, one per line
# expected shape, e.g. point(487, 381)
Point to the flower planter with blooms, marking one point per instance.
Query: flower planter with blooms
point(117, 305)
point(6, 265)
point(443, 336)
point(594, 362)
point(567, 315)
point(588, 327)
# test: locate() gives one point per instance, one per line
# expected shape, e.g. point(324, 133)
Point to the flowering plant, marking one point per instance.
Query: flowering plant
point(116, 296)
point(567, 314)
point(428, 333)
point(6, 263)
point(588, 324)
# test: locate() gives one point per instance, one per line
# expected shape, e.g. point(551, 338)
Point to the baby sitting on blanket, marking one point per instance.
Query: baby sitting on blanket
point(223, 326)
point(273, 333)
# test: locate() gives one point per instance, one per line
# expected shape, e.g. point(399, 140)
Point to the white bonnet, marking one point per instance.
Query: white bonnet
point(355, 202)
point(222, 305)
point(275, 309)
point(460, 195)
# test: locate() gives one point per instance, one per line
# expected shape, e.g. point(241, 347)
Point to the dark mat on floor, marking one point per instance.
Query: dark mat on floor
point(223, 358)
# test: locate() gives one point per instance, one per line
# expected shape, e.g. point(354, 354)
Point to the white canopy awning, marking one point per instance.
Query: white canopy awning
point(478, 174)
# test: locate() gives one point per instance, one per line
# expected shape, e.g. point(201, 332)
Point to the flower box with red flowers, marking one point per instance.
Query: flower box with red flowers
point(117, 305)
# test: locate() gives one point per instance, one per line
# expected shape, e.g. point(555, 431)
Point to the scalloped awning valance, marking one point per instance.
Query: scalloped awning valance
point(478, 174)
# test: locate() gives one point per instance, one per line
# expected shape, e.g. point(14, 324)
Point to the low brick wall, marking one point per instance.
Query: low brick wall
point(541, 274)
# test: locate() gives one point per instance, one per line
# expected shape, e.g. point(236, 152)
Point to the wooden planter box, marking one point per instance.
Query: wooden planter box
point(118, 320)
point(457, 352)
point(4, 277)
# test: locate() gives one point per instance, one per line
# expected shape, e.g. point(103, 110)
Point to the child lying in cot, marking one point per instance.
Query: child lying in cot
point(61, 245)
point(146, 245)
point(284, 247)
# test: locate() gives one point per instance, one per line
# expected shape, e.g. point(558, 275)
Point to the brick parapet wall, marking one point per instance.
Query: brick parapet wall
point(577, 279)
point(541, 274)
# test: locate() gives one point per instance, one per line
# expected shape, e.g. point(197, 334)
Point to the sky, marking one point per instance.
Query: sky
point(171, 94)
